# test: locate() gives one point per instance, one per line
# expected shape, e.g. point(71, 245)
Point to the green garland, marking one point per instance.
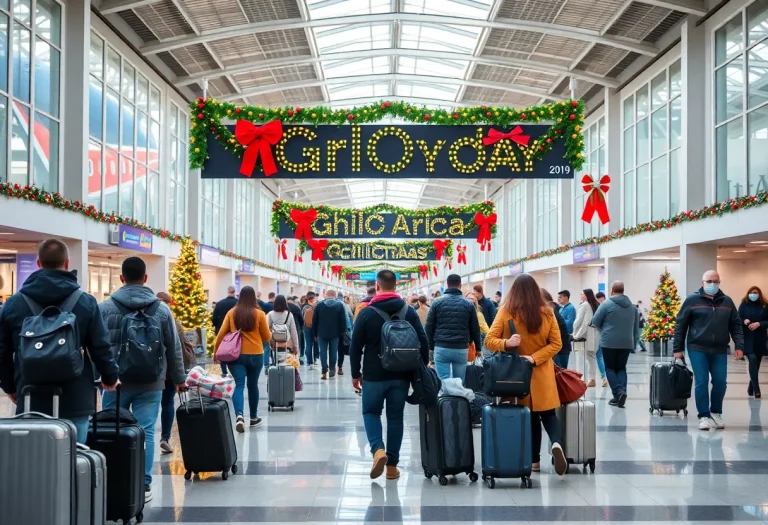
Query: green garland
point(304, 247)
point(282, 210)
point(207, 116)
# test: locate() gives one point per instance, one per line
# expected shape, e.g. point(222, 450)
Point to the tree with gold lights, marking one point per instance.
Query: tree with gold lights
point(186, 289)
point(664, 307)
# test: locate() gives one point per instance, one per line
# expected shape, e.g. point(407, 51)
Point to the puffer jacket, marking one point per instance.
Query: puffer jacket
point(452, 322)
point(137, 297)
point(619, 323)
point(708, 324)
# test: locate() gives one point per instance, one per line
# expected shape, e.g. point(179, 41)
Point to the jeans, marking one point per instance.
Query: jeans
point(561, 359)
point(146, 408)
point(340, 364)
point(267, 354)
point(309, 343)
point(167, 410)
point(328, 346)
point(451, 362)
point(616, 369)
point(246, 369)
point(395, 392)
point(705, 365)
point(223, 369)
point(81, 425)
point(600, 362)
point(754, 367)
point(551, 425)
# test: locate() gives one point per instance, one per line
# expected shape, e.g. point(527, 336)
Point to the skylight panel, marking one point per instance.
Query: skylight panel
point(358, 90)
point(335, 8)
point(425, 66)
point(363, 66)
point(439, 37)
point(464, 8)
point(420, 90)
point(355, 37)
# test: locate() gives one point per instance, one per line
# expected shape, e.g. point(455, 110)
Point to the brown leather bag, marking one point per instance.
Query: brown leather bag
point(570, 386)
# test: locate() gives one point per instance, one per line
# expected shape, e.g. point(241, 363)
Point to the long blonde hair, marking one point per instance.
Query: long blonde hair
point(471, 297)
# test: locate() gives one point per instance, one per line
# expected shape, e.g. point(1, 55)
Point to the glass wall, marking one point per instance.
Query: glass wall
point(267, 249)
point(124, 129)
point(652, 132)
point(517, 218)
point(741, 103)
point(545, 201)
point(30, 72)
point(245, 199)
point(213, 201)
point(594, 165)
point(178, 170)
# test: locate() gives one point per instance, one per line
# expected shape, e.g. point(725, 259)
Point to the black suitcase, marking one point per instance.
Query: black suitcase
point(447, 446)
point(121, 440)
point(206, 436)
point(473, 377)
point(661, 395)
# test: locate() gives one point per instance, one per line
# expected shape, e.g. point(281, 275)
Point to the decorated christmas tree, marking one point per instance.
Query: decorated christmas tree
point(210, 337)
point(189, 304)
point(664, 307)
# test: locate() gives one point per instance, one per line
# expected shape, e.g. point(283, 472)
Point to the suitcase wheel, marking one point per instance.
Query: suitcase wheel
point(490, 481)
point(473, 476)
point(661, 413)
point(291, 408)
point(685, 412)
point(225, 475)
point(139, 517)
point(443, 480)
point(592, 466)
point(527, 483)
point(427, 474)
point(650, 410)
point(188, 475)
point(234, 468)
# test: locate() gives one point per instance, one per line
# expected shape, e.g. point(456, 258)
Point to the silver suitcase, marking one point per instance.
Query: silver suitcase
point(37, 467)
point(281, 386)
point(578, 427)
point(91, 474)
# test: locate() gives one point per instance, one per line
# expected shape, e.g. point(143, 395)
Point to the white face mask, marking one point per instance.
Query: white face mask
point(754, 297)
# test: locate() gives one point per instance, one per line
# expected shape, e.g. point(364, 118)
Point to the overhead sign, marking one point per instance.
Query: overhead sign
point(247, 267)
point(209, 256)
point(134, 238)
point(371, 251)
point(26, 265)
point(366, 276)
point(387, 225)
point(515, 269)
point(585, 253)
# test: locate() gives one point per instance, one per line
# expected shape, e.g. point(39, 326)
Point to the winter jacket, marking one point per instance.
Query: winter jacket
point(139, 297)
point(296, 311)
point(47, 288)
point(707, 324)
point(366, 340)
point(568, 313)
point(329, 320)
point(488, 308)
point(266, 307)
point(285, 318)
point(618, 321)
point(220, 310)
point(583, 329)
point(565, 339)
point(754, 340)
point(362, 304)
point(452, 322)
point(252, 343)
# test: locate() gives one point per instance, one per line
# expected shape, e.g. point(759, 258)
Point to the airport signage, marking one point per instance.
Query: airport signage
point(134, 238)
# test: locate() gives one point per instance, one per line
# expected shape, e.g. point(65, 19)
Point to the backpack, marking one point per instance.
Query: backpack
point(140, 355)
point(309, 312)
point(49, 345)
point(400, 345)
point(280, 331)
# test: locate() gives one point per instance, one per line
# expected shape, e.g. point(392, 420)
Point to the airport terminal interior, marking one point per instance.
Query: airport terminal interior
point(301, 146)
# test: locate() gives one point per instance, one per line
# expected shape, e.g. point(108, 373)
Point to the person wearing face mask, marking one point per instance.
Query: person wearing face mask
point(753, 312)
point(705, 324)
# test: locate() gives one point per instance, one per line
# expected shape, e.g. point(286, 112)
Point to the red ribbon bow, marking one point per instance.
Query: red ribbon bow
point(440, 247)
point(423, 269)
point(596, 202)
point(318, 248)
point(303, 220)
point(297, 257)
point(258, 140)
point(516, 135)
point(336, 270)
point(434, 269)
point(281, 251)
point(484, 223)
point(462, 249)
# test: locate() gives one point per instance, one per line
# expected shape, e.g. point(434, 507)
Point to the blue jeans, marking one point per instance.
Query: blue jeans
point(616, 369)
point(246, 369)
point(451, 362)
point(395, 392)
point(81, 424)
point(167, 410)
point(223, 369)
point(561, 359)
point(146, 408)
point(600, 361)
point(329, 348)
point(705, 365)
point(267, 354)
point(309, 343)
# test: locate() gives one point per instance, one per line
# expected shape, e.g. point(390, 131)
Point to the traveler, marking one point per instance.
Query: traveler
point(328, 326)
point(364, 302)
point(346, 337)
point(143, 384)
point(753, 311)
point(451, 325)
point(497, 299)
point(538, 340)
point(302, 301)
point(706, 323)
point(563, 356)
point(481, 321)
point(584, 331)
point(619, 329)
point(267, 307)
point(308, 313)
point(298, 319)
point(423, 310)
point(567, 310)
point(641, 344)
point(600, 296)
point(220, 309)
point(53, 285)
point(247, 317)
point(280, 321)
point(487, 306)
point(167, 405)
point(381, 385)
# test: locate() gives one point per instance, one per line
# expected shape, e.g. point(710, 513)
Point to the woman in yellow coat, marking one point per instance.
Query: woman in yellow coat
point(537, 339)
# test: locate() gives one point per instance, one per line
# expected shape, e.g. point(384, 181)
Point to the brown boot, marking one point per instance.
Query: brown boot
point(591, 383)
point(379, 462)
point(324, 377)
point(341, 372)
point(392, 472)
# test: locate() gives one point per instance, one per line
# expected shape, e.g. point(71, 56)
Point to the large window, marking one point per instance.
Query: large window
point(267, 250)
point(545, 199)
point(212, 217)
point(652, 132)
point(245, 198)
point(594, 165)
point(178, 170)
point(124, 129)
point(741, 103)
point(30, 39)
point(517, 217)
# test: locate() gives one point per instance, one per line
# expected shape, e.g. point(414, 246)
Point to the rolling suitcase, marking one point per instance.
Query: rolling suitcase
point(281, 385)
point(447, 446)
point(91, 473)
point(506, 443)
point(206, 436)
point(577, 421)
point(473, 377)
point(661, 395)
point(37, 466)
point(116, 434)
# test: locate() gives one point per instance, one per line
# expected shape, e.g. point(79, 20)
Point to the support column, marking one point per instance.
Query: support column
point(78, 260)
point(695, 259)
point(530, 218)
point(565, 212)
point(158, 272)
point(694, 183)
point(569, 278)
point(229, 213)
point(613, 153)
point(616, 269)
point(193, 204)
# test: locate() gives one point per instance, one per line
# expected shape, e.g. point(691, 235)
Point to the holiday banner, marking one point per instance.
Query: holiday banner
point(323, 250)
point(585, 253)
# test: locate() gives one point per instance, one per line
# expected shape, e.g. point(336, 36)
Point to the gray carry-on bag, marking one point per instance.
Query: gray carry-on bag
point(91, 472)
point(281, 385)
point(579, 443)
point(37, 466)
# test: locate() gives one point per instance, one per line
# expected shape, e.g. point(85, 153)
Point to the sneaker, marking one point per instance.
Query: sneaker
point(717, 419)
point(392, 473)
point(536, 467)
point(750, 391)
point(240, 424)
point(379, 462)
point(332, 373)
point(605, 382)
point(256, 421)
point(324, 377)
point(704, 423)
point(561, 464)
point(301, 362)
point(166, 447)
point(341, 372)
point(591, 383)
point(621, 400)
point(147, 494)
point(613, 402)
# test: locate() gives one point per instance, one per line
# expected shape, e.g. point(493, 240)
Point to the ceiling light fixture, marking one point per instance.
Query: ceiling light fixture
point(750, 242)
point(739, 251)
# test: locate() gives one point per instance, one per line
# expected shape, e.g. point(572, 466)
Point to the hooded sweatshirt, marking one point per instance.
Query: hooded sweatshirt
point(619, 323)
point(330, 319)
point(139, 297)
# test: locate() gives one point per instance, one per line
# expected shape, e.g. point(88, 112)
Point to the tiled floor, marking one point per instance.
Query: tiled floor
point(311, 466)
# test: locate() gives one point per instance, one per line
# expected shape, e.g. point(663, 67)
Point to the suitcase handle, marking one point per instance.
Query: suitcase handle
point(184, 400)
point(117, 411)
point(27, 392)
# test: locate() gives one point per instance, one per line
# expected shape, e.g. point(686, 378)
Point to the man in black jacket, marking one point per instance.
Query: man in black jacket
point(451, 325)
point(382, 385)
point(707, 321)
point(329, 322)
point(220, 312)
point(299, 320)
point(51, 286)
point(486, 305)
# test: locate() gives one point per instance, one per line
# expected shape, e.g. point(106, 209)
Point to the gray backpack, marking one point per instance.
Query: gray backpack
point(140, 355)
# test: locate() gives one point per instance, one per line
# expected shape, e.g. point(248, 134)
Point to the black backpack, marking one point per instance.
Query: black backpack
point(426, 387)
point(140, 355)
point(400, 345)
point(680, 380)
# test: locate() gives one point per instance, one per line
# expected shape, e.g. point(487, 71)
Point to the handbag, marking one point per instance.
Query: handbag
point(680, 380)
point(506, 374)
point(229, 348)
point(570, 386)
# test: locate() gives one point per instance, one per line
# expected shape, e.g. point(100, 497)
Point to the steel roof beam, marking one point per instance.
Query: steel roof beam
point(350, 102)
point(691, 7)
point(108, 7)
point(507, 24)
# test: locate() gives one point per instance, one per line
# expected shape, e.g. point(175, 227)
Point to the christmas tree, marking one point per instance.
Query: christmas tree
point(664, 307)
point(189, 304)
point(210, 337)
